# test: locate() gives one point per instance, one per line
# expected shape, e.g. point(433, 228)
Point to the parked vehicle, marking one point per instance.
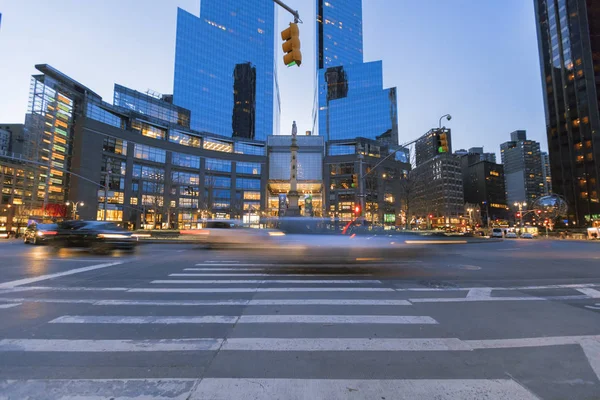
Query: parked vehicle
point(497, 233)
point(526, 235)
point(98, 236)
point(511, 235)
point(39, 233)
point(4, 234)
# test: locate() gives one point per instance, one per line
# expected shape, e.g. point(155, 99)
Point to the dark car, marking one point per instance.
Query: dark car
point(98, 236)
point(39, 233)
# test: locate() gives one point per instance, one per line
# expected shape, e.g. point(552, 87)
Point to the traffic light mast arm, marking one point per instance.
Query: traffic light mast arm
point(403, 146)
point(288, 9)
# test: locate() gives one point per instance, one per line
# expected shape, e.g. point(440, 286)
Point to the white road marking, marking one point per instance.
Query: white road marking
point(179, 303)
point(334, 344)
point(258, 290)
point(219, 261)
point(224, 269)
point(593, 293)
point(479, 293)
point(98, 389)
point(9, 305)
point(233, 274)
point(591, 349)
point(101, 346)
point(241, 266)
point(594, 307)
point(27, 281)
point(343, 389)
point(111, 319)
point(335, 319)
point(327, 302)
point(244, 319)
point(528, 342)
point(473, 299)
point(69, 289)
point(265, 281)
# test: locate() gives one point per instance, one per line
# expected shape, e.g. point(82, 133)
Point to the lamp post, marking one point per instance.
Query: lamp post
point(75, 205)
point(447, 116)
point(470, 210)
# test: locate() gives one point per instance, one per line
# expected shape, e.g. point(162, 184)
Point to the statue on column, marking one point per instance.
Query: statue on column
point(293, 209)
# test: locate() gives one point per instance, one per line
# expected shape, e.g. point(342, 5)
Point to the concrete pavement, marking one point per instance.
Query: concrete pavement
point(514, 319)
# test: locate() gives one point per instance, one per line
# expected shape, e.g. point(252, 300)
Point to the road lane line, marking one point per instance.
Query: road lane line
point(27, 281)
point(116, 319)
point(258, 290)
point(334, 344)
point(593, 293)
point(241, 266)
point(183, 303)
point(101, 346)
point(9, 305)
point(224, 269)
point(327, 302)
point(343, 389)
point(265, 281)
point(96, 389)
point(335, 319)
point(243, 273)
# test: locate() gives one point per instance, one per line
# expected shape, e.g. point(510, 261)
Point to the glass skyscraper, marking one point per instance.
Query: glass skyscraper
point(225, 70)
point(350, 100)
point(569, 47)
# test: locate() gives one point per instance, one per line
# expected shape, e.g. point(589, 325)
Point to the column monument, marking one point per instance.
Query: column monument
point(293, 209)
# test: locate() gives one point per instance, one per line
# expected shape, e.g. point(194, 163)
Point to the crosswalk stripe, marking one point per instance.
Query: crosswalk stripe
point(244, 319)
point(299, 302)
point(335, 319)
point(110, 319)
point(259, 290)
point(342, 389)
point(100, 346)
point(240, 266)
point(96, 389)
point(27, 281)
point(224, 269)
point(230, 274)
point(263, 281)
point(9, 305)
point(335, 344)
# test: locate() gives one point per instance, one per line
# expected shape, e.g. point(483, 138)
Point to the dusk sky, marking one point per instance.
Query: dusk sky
point(474, 59)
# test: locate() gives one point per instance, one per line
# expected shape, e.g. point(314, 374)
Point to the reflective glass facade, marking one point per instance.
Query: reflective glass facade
point(350, 99)
point(225, 68)
point(569, 47)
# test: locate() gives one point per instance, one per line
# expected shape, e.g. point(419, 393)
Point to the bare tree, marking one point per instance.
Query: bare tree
point(207, 202)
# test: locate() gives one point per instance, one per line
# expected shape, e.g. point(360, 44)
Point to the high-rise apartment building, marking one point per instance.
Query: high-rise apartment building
point(522, 169)
point(350, 100)
point(546, 173)
point(569, 50)
point(225, 71)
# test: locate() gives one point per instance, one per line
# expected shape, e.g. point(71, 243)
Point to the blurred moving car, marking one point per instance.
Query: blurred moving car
point(4, 234)
point(526, 235)
point(232, 234)
point(39, 233)
point(511, 235)
point(98, 236)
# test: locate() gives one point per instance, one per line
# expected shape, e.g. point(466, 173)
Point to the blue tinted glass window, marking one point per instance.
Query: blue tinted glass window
point(341, 149)
point(148, 130)
point(221, 194)
point(248, 168)
point(185, 160)
point(252, 149)
point(148, 172)
point(213, 164)
point(212, 181)
point(149, 153)
point(184, 139)
point(247, 184)
point(100, 114)
point(185, 178)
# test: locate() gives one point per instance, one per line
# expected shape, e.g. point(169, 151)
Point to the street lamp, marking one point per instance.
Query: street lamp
point(470, 210)
point(447, 116)
point(75, 205)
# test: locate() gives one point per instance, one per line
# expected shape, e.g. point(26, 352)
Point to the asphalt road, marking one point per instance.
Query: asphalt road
point(505, 320)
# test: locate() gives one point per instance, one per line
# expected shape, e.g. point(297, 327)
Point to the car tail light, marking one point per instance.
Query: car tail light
point(46, 233)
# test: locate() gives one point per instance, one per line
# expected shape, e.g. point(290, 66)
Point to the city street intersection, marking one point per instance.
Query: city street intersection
point(509, 319)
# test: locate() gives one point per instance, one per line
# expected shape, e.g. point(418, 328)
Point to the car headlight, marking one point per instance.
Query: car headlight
point(276, 234)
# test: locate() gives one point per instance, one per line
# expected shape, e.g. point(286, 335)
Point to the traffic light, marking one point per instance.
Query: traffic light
point(357, 209)
point(442, 143)
point(518, 215)
point(291, 46)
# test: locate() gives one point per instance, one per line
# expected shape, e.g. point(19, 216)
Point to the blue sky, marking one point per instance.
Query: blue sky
point(474, 59)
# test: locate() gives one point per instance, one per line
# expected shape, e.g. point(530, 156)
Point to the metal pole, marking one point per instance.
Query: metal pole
point(361, 184)
point(288, 9)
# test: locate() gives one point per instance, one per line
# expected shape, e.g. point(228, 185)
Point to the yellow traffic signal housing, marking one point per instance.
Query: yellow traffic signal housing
point(442, 143)
point(291, 46)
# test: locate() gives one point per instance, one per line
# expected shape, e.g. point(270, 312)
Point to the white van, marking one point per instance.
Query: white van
point(497, 233)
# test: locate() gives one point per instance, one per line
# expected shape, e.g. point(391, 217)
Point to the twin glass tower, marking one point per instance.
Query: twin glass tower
point(226, 72)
